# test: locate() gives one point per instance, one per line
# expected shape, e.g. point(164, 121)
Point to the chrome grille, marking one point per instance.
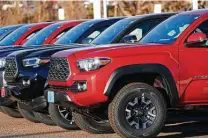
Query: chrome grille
point(59, 69)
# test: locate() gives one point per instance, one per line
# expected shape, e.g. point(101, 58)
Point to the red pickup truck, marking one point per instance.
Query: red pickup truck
point(132, 86)
point(52, 33)
point(22, 34)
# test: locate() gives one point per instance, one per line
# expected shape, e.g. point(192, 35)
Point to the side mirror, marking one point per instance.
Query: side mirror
point(196, 39)
point(129, 39)
point(87, 40)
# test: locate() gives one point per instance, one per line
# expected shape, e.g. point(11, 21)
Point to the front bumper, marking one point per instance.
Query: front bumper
point(36, 104)
point(18, 93)
point(12, 94)
point(93, 95)
point(4, 101)
point(28, 89)
point(29, 83)
point(59, 98)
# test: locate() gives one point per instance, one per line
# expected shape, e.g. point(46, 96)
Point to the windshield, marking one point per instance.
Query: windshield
point(14, 36)
point(168, 31)
point(3, 30)
point(107, 36)
point(72, 35)
point(42, 35)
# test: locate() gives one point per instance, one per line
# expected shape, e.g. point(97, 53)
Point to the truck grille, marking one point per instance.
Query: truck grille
point(59, 69)
point(10, 68)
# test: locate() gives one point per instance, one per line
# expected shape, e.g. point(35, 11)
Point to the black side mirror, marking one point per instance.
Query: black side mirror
point(129, 39)
point(87, 40)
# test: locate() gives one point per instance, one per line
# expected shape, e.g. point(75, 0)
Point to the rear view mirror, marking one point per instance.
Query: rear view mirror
point(196, 39)
point(87, 40)
point(129, 39)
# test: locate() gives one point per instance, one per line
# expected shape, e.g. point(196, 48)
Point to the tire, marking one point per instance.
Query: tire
point(11, 112)
point(62, 117)
point(29, 115)
point(44, 118)
point(91, 126)
point(126, 110)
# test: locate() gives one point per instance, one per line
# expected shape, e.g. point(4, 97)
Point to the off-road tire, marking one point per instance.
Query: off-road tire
point(117, 108)
point(59, 120)
point(29, 115)
point(44, 118)
point(91, 126)
point(13, 112)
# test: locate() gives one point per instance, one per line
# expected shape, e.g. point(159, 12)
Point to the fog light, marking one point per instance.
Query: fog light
point(3, 92)
point(82, 86)
point(26, 83)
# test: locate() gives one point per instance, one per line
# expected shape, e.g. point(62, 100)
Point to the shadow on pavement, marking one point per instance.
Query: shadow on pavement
point(34, 134)
point(186, 124)
point(178, 125)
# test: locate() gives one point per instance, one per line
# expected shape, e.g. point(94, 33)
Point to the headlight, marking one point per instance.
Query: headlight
point(92, 63)
point(35, 62)
point(2, 62)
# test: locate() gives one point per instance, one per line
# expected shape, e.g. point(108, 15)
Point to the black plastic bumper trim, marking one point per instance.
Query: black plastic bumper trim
point(36, 104)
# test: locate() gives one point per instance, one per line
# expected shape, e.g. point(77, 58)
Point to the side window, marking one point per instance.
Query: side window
point(142, 29)
point(203, 28)
point(31, 35)
point(62, 33)
point(94, 33)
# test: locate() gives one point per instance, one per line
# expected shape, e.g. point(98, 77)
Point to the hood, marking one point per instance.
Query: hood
point(6, 51)
point(84, 50)
point(44, 51)
point(112, 50)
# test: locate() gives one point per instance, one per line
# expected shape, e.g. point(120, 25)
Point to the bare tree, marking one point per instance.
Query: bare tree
point(74, 9)
point(39, 11)
point(142, 7)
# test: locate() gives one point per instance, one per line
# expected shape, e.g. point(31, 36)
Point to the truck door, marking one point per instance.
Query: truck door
point(194, 69)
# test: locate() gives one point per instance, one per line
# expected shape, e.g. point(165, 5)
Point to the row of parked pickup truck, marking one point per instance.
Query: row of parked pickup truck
point(118, 74)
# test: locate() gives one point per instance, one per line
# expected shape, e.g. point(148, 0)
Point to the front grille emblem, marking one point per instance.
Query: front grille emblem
point(9, 65)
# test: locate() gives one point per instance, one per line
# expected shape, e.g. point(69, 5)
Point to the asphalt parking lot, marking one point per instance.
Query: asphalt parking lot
point(178, 125)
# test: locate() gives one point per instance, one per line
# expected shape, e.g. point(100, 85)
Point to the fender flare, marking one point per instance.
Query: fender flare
point(145, 68)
